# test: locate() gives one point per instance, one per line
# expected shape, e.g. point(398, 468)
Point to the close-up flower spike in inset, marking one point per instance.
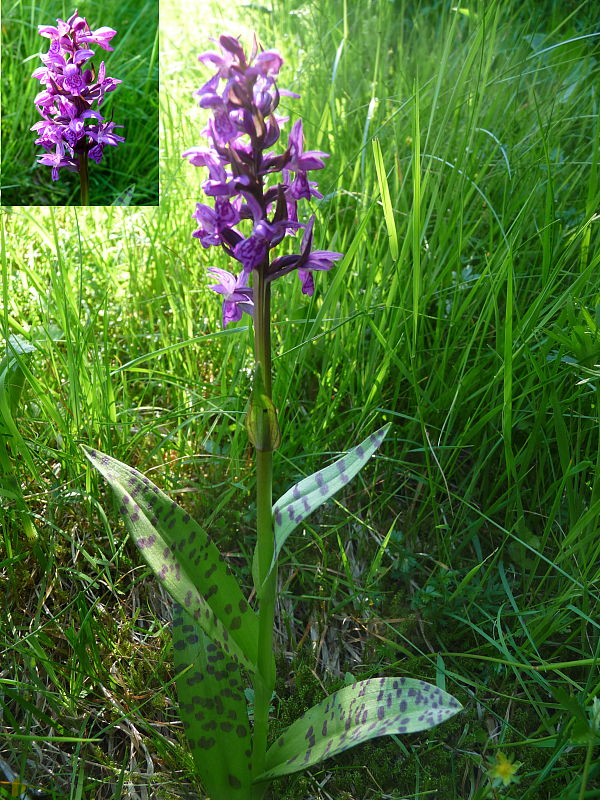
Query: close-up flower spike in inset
point(71, 130)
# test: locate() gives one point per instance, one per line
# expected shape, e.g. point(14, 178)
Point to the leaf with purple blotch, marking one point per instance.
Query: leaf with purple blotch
point(309, 493)
point(213, 710)
point(355, 714)
point(184, 559)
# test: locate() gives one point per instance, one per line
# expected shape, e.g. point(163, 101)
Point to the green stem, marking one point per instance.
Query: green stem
point(264, 682)
point(586, 770)
point(83, 179)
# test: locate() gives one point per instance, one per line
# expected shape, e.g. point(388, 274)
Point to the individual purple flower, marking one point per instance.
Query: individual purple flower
point(256, 188)
point(71, 89)
point(57, 160)
point(101, 37)
point(237, 297)
point(103, 134)
point(308, 261)
point(214, 220)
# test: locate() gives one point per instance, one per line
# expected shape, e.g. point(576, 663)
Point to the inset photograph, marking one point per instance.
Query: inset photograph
point(79, 103)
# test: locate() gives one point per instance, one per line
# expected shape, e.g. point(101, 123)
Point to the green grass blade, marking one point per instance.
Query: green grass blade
point(213, 709)
point(386, 200)
point(183, 558)
point(355, 714)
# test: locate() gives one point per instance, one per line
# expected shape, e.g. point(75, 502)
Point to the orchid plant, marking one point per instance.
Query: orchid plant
point(221, 642)
point(71, 130)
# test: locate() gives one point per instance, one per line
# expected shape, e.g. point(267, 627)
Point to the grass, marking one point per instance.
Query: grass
point(128, 174)
point(463, 188)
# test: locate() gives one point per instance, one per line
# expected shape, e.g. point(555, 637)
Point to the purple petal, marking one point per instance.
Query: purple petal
point(308, 284)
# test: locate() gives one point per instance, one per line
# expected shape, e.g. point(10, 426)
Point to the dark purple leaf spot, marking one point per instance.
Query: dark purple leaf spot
point(206, 742)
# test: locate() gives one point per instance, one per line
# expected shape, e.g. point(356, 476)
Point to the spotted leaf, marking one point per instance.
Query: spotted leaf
point(184, 559)
point(307, 495)
point(354, 715)
point(213, 709)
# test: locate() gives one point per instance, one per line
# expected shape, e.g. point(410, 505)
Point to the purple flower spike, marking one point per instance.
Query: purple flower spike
point(70, 126)
point(253, 211)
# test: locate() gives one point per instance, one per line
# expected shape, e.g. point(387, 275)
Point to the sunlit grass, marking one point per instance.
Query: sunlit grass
point(471, 554)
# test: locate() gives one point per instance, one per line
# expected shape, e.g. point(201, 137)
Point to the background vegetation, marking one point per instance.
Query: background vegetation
point(128, 174)
point(466, 310)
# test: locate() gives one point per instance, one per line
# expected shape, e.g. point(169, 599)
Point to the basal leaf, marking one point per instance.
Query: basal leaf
point(213, 709)
point(184, 559)
point(354, 715)
point(309, 493)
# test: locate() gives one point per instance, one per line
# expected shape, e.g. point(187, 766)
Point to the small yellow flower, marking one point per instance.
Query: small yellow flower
point(502, 770)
